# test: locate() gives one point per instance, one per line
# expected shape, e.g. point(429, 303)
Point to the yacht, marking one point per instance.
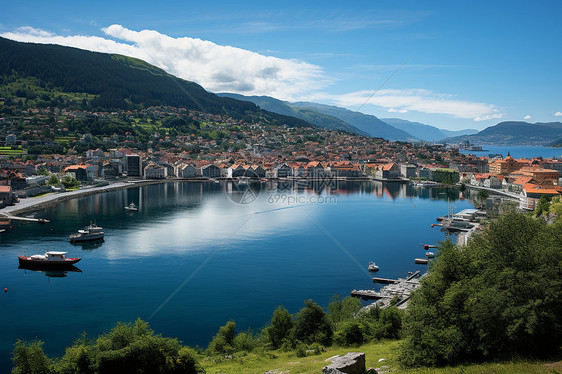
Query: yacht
point(90, 232)
point(50, 259)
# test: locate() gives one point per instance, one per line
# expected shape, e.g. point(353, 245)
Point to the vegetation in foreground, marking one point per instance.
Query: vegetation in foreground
point(497, 299)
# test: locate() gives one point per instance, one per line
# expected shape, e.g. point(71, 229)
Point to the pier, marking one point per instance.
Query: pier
point(421, 261)
point(395, 288)
point(26, 219)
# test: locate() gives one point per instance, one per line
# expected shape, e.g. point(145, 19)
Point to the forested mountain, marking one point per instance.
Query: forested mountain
point(117, 82)
point(365, 122)
point(515, 133)
point(309, 115)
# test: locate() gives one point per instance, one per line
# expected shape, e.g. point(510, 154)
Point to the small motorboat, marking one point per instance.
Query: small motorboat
point(50, 260)
point(429, 254)
point(427, 246)
point(373, 266)
point(91, 232)
point(131, 208)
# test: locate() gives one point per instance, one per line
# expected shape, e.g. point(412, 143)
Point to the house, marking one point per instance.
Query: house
point(408, 170)
point(6, 195)
point(82, 172)
point(188, 171)
point(388, 171)
point(282, 171)
point(258, 170)
point(155, 171)
point(314, 169)
point(210, 171)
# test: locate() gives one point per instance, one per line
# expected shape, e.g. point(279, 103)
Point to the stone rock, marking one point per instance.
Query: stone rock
point(371, 370)
point(351, 363)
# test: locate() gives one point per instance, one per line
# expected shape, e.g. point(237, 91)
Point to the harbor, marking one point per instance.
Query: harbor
point(395, 292)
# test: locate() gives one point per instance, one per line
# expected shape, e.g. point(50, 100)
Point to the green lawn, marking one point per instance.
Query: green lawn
point(284, 362)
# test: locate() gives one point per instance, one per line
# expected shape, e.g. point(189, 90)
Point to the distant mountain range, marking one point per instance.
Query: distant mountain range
point(311, 116)
point(515, 133)
point(425, 132)
point(327, 116)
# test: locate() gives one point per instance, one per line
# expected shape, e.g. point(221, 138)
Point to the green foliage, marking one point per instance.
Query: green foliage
point(69, 182)
point(53, 180)
point(281, 325)
point(341, 310)
point(245, 341)
point(42, 171)
point(312, 325)
point(127, 348)
point(543, 206)
point(223, 342)
point(499, 296)
point(29, 358)
point(349, 333)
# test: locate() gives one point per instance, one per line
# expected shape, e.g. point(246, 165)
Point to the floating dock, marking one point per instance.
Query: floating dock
point(421, 261)
point(16, 218)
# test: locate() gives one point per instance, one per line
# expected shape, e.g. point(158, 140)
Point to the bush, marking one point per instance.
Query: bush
point(341, 310)
point(349, 333)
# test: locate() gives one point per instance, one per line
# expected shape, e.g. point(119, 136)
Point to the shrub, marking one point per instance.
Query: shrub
point(312, 325)
point(281, 325)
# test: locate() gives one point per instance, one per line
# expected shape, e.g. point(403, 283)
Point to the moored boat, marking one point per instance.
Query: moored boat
point(90, 232)
point(51, 259)
point(373, 266)
point(131, 208)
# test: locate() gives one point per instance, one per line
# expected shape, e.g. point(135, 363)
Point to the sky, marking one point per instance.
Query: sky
point(451, 64)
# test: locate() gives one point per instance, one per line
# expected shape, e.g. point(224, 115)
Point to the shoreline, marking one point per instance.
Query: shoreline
point(33, 204)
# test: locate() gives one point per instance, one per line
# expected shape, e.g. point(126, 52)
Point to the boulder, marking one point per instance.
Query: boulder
point(351, 363)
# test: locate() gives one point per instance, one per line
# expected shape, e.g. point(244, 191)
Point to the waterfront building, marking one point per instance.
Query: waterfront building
point(155, 171)
point(504, 167)
point(210, 171)
point(134, 165)
point(84, 173)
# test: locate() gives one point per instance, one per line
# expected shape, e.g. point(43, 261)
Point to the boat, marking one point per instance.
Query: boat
point(90, 232)
point(49, 260)
point(131, 208)
point(429, 254)
point(373, 266)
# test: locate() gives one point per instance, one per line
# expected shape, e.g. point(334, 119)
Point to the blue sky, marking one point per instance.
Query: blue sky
point(451, 64)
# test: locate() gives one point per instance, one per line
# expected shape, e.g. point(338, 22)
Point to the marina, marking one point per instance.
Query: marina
point(399, 290)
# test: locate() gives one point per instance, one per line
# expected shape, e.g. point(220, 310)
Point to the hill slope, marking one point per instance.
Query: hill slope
point(311, 116)
point(515, 133)
point(118, 82)
point(365, 122)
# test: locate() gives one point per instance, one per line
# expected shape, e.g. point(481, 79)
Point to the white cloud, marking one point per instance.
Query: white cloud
point(217, 68)
point(419, 100)
point(527, 117)
point(558, 114)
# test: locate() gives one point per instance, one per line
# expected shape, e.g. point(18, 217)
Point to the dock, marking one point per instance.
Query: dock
point(26, 219)
point(421, 261)
point(400, 288)
point(384, 280)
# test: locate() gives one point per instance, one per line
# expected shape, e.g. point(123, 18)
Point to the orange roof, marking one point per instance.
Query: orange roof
point(543, 190)
point(4, 189)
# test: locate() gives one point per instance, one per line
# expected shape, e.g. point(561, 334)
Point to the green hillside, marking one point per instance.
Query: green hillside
point(112, 81)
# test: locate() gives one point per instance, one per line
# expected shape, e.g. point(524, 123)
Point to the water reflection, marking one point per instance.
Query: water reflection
point(58, 273)
point(89, 245)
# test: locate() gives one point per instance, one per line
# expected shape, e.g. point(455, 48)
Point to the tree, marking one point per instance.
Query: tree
point(223, 342)
point(281, 325)
point(29, 358)
point(53, 180)
point(312, 324)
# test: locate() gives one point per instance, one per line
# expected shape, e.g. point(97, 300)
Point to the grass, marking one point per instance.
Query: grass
point(287, 362)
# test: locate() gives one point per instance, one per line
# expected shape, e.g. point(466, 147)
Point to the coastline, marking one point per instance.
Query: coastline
point(33, 204)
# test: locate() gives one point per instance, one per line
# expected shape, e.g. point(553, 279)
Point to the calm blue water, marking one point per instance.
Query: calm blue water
point(233, 261)
point(518, 151)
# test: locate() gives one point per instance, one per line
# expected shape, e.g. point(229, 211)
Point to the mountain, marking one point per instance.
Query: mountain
point(451, 133)
point(419, 130)
point(514, 133)
point(311, 116)
point(425, 132)
point(367, 123)
point(118, 82)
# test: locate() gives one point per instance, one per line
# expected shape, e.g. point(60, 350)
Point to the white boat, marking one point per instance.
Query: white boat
point(90, 232)
point(131, 208)
point(429, 254)
point(373, 266)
